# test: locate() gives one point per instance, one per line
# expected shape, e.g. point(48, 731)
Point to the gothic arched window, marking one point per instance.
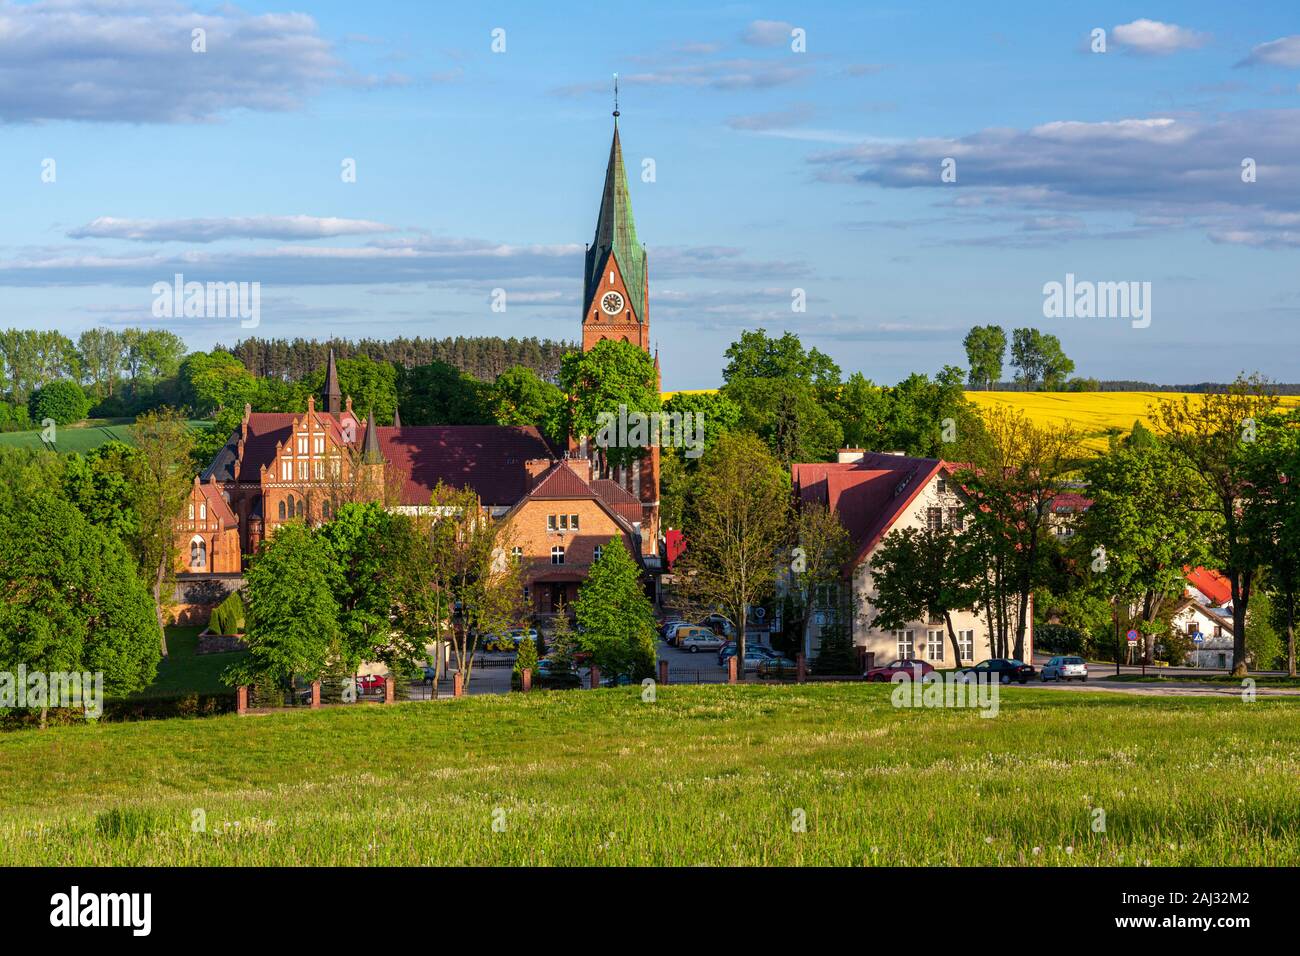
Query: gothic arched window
point(281, 510)
point(300, 508)
point(198, 554)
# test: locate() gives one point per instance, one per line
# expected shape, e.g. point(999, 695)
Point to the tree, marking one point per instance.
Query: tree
point(985, 345)
point(818, 560)
point(102, 353)
point(363, 576)
point(522, 397)
point(212, 381)
point(160, 473)
point(924, 575)
point(368, 383)
point(1141, 531)
point(1039, 360)
point(292, 616)
point(1208, 435)
point(70, 599)
point(99, 485)
point(63, 401)
point(616, 622)
point(441, 394)
point(1271, 470)
point(740, 531)
point(610, 376)
point(1014, 476)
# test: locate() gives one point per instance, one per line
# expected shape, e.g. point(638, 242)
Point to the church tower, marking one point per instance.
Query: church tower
point(616, 305)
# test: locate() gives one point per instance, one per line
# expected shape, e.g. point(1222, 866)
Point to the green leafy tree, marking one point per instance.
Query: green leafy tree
point(615, 618)
point(1039, 360)
point(103, 354)
point(522, 397)
point(730, 563)
point(70, 599)
point(370, 384)
point(441, 394)
point(363, 577)
point(985, 347)
point(817, 562)
point(1209, 435)
point(63, 401)
point(597, 382)
point(924, 575)
point(212, 381)
point(293, 617)
point(99, 484)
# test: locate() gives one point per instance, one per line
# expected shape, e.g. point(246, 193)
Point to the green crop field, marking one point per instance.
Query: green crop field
point(703, 775)
point(83, 436)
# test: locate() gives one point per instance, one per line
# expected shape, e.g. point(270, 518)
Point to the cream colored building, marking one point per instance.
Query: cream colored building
point(874, 494)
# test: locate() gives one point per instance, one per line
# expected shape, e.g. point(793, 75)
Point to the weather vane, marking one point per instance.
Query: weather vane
point(615, 96)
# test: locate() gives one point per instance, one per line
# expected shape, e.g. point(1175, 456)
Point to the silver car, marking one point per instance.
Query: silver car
point(696, 639)
point(1065, 668)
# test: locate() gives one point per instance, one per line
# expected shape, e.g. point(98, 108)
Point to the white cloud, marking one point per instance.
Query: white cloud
point(1156, 38)
point(132, 61)
point(238, 227)
point(767, 33)
point(1284, 51)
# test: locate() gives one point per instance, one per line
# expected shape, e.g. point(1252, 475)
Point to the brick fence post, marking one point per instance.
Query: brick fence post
point(595, 676)
point(526, 679)
point(802, 668)
point(390, 689)
point(241, 699)
point(663, 673)
point(731, 669)
point(457, 685)
point(315, 695)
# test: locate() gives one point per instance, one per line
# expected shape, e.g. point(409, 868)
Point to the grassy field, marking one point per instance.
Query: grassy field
point(83, 436)
point(703, 775)
point(184, 672)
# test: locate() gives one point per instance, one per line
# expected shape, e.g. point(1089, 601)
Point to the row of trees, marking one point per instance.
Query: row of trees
point(1037, 357)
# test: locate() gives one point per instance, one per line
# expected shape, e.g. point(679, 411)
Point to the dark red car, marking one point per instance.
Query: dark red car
point(909, 667)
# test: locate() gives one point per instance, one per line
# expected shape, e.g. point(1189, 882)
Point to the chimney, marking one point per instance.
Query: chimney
point(848, 455)
point(535, 468)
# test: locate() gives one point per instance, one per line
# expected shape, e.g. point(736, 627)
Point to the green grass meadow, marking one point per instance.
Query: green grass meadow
point(703, 775)
point(84, 436)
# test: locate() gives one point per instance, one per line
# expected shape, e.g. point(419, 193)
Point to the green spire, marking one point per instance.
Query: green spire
point(616, 233)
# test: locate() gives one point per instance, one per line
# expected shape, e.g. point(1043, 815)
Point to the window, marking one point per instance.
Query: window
point(198, 554)
point(564, 522)
point(934, 645)
point(527, 592)
point(318, 445)
point(906, 648)
point(286, 469)
point(203, 511)
point(302, 471)
point(934, 519)
point(335, 469)
point(573, 522)
point(318, 469)
point(516, 552)
point(325, 508)
point(302, 444)
point(598, 552)
point(955, 518)
point(300, 508)
point(942, 486)
point(966, 643)
point(550, 522)
point(557, 554)
point(281, 510)
point(191, 511)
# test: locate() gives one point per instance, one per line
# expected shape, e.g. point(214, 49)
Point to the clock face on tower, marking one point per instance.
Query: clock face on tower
point(611, 303)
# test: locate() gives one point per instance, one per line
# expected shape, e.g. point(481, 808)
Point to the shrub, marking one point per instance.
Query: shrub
point(228, 617)
point(836, 655)
point(64, 401)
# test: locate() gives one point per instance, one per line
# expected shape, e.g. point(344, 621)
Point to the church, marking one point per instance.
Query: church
point(564, 504)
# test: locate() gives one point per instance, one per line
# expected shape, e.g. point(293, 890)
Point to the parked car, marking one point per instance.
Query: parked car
point(370, 684)
point(1065, 668)
point(430, 672)
point(729, 650)
point(553, 676)
point(622, 680)
point(777, 666)
point(672, 630)
point(696, 639)
point(910, 667)
point(1005, 669)
point(719, 624)
point(509, 641)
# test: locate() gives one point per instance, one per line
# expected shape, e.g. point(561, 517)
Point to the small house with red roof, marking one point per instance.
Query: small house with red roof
point(875, 493)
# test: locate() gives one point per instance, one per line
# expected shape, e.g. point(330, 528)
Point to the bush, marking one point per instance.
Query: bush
point(1060, 639)
point(228, 618)
point(64, 401)
point(836, 655)
point(14, 418)
point(526, 659)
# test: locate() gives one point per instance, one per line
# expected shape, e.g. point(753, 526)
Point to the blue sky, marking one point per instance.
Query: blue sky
point(775, 170)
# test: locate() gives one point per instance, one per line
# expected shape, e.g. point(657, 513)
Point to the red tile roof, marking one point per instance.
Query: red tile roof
point(869, 494)
point(487, 458)
point(561, 481)
point(1211, 583)
point(217, 505)
point(619, 498)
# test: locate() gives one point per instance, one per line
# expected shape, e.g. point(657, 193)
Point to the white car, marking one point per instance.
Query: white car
point(696, 639)
point(1065, 668)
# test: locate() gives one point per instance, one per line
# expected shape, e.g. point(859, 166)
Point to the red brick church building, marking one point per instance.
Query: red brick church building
point(564, 505)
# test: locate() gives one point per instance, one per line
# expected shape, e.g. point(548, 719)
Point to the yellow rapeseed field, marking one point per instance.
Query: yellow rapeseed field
point(1090, 413)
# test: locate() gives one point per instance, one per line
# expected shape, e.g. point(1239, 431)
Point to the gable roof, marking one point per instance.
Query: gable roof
point(265, 431)
point(1211, 583)
point(217, 504)
point(869, 494)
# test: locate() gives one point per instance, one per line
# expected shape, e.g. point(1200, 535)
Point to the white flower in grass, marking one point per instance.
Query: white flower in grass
point(1037, 850)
